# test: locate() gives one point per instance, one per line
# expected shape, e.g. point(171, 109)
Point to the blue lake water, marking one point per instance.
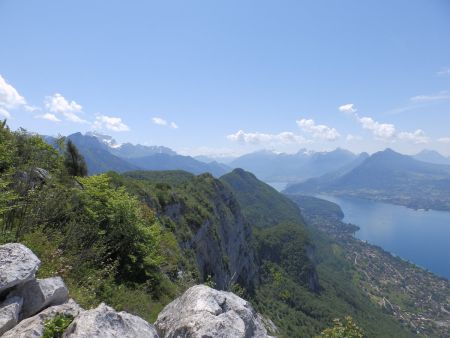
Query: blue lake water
point(421, 237)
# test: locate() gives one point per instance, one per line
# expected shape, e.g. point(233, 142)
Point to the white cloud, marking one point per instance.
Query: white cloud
point(444, 95)
point(159, 121)
point(110, 123)
point(49, 117)
point(162, 122)
point(9, 97)
point(58, 104)
point(258, 138)
point(417, 136)
point(348, 108)
point(31, 109)
point(4, 113)
point(444, 140)
point(318, 130)
point(444, 72)
point(383, 131)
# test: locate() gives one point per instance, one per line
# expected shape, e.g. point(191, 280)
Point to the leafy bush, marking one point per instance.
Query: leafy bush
point(55, 327)
point(348, 329)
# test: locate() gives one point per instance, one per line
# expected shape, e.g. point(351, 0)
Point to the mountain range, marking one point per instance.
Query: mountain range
point(419, 181)
point(273, 167)
point(102, 153)
point(387, 176)
point(432, 156)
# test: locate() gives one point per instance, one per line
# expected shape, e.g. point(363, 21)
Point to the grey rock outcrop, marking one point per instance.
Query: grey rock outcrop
point(38, 294)
point(9, 313)
point(33, 327)
point(205, 312)
point(18, 264)
point(104, 322)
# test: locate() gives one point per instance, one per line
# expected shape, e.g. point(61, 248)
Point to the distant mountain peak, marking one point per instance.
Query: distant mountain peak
point(106, 139)
point(388, 152)
point(432, 156)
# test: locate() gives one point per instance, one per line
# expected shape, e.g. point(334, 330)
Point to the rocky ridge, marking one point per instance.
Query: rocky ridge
point(28, 305)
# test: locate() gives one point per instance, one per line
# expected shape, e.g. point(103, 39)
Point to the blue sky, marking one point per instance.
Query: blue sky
point(229, 77)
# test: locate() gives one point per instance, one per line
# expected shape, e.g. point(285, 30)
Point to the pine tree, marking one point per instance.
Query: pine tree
point(74, 161)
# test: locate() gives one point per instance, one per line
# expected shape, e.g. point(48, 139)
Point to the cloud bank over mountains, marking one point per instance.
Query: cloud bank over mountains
point(57, 108)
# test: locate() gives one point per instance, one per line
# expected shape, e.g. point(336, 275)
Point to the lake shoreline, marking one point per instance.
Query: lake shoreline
point(416, 297)
point(416, 236)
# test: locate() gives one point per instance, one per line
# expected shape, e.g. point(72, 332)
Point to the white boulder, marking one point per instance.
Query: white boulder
point(18, 264)
point(104, 322)
point(38, 294)
point(33, 327)
point(204, 312)
point(9, 313)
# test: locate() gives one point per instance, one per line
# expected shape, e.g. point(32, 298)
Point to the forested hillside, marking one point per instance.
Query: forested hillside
point(137, 240)
point(261, 204)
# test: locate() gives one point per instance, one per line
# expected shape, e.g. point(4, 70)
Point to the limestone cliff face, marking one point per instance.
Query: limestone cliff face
point(220, 238)
point(222, 245)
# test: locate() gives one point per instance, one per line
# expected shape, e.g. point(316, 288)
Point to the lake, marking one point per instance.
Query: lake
point(421, 237)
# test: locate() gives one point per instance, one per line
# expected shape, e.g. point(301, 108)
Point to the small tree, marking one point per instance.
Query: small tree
point(74, 161)
point(342, 330)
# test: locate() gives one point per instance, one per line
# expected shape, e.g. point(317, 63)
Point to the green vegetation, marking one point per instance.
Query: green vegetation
point(131, 240)
point(192, 205)
point(343, 330)
point(55, 327)
point(317, 206)
point(286, 245)
point(74, 162)
point(106, 244)
point(299, 312)
point(261, 204)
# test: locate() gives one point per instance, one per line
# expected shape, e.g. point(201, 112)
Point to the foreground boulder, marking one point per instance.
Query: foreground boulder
point(205, 312)
point(33, 327)
point(9, 313)
point(104, 322)
point(18, 264)
point(40, 293)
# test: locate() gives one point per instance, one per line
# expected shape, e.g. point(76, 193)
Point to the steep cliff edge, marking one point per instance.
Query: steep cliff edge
point(278, 225)
point(207, 221)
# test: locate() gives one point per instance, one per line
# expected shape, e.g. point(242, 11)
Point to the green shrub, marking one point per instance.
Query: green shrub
point(348, 329)
point(54, 328)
